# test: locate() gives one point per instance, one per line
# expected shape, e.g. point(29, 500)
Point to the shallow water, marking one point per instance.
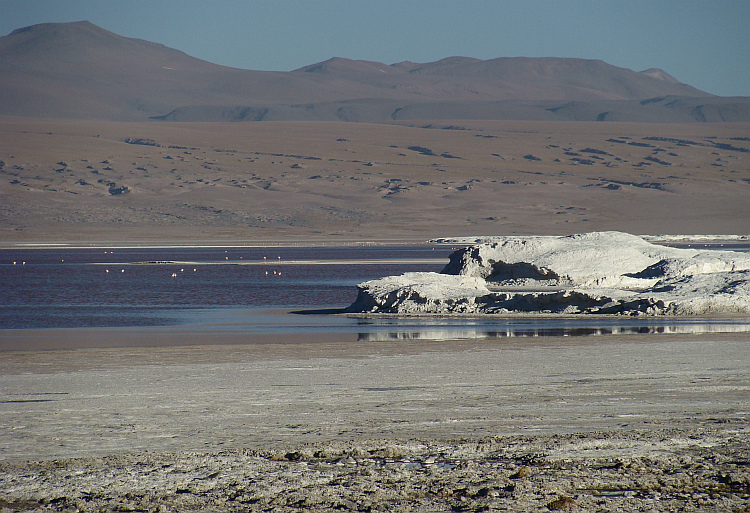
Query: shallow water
point(129, 287)
point(264, 290)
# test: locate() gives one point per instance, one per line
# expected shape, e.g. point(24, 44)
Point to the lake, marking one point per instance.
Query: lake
point(258, 290)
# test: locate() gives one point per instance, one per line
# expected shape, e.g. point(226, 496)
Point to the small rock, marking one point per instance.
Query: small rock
point(522, 472)
point(562, 503)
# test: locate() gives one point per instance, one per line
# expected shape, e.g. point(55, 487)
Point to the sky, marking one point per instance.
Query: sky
point(704, 43)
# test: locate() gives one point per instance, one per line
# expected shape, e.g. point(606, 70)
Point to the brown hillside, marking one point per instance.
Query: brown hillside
point(79, 70)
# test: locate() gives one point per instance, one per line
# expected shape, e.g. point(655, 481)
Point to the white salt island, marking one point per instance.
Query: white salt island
point(608, 273)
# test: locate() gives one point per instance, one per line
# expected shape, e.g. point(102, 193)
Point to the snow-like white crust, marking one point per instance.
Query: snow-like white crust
point(593, 273)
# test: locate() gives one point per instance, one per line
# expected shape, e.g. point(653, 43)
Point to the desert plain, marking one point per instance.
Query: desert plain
point(94, 181)
point(223, 422)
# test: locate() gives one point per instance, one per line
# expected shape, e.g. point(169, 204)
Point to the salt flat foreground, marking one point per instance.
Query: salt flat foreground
point(618, 422)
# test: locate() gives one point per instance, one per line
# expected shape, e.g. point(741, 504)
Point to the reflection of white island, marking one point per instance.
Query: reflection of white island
point(591, 273)
point(535, 331)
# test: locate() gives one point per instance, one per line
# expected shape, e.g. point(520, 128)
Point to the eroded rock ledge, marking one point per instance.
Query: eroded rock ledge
point(610, 273)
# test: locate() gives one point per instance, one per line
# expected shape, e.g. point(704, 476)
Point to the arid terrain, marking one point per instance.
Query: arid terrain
point(106, 140)
point(632, 423)
point(86, 181)
point(345, 149)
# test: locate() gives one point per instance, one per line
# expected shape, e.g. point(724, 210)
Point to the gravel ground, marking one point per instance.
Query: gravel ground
point(664, 470)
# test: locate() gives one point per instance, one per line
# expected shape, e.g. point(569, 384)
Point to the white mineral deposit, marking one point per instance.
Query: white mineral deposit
point(610, 273)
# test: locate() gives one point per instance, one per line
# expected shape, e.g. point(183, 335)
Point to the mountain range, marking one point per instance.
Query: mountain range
point(81, 71)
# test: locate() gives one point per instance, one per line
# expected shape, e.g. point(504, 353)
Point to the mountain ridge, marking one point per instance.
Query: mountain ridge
point(80, 70)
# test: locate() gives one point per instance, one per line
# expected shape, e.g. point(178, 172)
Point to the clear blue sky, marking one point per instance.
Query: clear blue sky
point(705, 43)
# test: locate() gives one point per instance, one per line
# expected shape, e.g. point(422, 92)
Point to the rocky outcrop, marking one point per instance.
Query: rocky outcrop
point(592, 273)
point(421, 293)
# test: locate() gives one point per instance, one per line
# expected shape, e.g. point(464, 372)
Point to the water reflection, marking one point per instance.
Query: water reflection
point(321, 321)
point(456, 333)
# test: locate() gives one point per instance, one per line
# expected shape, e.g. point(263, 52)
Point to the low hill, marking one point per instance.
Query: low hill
point(79, 70)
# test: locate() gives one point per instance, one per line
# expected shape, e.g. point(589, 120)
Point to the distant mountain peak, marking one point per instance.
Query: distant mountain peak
point(49, 39)
point(64, 29)
point(660, 74)
point(343, 65)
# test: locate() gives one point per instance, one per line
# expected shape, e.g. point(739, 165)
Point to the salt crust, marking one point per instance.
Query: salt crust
point(610, 273)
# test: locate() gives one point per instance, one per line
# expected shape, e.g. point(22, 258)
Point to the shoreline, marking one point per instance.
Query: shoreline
point(334, 241)
point(214, 346)
point(224, 243)
point(31, 340)
point(327, 390)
